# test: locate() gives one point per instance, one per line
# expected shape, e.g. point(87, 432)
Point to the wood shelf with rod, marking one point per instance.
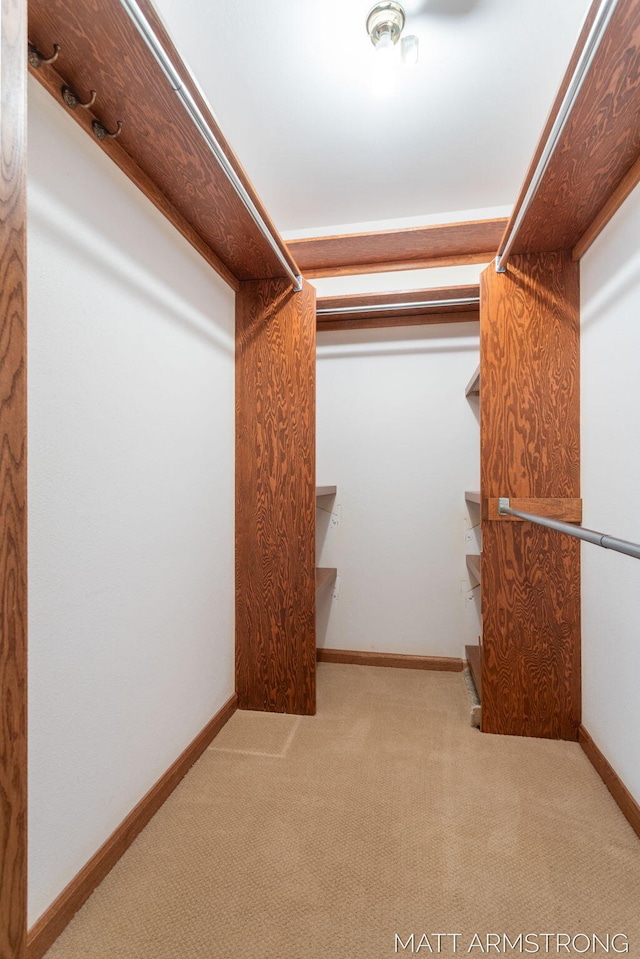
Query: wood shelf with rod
point(474, 659)
point(474, 564)
point(473, 386)
point(159, 146)
point(324, 576)
point(326, 491)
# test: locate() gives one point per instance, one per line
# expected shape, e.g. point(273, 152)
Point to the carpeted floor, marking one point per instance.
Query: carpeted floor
point(324, 837)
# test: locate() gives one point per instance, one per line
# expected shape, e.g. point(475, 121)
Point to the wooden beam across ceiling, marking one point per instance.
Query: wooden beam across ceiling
point(351, 313)
point(159, 147)
point(446, 244)
point(594, 159)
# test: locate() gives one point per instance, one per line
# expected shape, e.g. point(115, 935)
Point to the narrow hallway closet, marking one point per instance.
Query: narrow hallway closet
point(332, 370)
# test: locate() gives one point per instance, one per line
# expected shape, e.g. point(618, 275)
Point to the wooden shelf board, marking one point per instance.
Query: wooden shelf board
point(473, 386)
point(324, 576)
point(159, 147)
point(326, 490)
point(404, 249)
point(472, 496)
point(474, 564)
point(474, 658)
point(598, 148)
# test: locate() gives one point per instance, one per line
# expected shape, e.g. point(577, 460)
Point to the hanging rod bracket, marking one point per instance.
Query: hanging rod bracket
point(499, 267)
point(503, 503)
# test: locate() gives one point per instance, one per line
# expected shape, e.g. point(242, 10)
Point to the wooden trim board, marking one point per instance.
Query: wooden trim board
point(444, 244)
point(394, 660)
point(568, 510)
point(628, 805)
point(13, 489)
point(49, 926)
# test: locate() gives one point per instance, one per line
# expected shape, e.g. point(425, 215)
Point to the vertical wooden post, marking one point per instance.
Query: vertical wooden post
point(275, 497)
point(530, 447)
point(13, 483)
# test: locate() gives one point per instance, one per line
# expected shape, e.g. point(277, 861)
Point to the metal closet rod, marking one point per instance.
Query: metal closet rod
point(579, 532)
point(146, 32)
point(380, 307)
point(597, 32)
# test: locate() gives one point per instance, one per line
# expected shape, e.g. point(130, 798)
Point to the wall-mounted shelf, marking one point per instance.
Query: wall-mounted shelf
point(324, 576)
point(472, 496)
point(326, 491)
point(159, 148)
point(473, 563)
point(473, 386)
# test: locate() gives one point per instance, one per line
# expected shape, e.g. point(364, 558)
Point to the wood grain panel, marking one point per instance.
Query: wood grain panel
point(529, 351)
point(356, 657)
point(628, 806)
point(13, 484)
point(566, 510)
point(424, 263)
point(444, 244)
point(275, 497)
point(60, 913)
point(101, 50)
point(599, 145)
point(325, 325)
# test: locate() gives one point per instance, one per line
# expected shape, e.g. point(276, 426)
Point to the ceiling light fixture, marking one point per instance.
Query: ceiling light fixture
point(385, 23)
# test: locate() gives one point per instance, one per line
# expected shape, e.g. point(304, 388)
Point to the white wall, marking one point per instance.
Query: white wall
point(610, 284)
point(131, 503)
point(398, 437)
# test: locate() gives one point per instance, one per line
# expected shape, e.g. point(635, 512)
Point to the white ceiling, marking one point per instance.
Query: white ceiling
point(295, 86)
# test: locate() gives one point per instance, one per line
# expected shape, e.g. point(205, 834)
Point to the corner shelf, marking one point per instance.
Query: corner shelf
point(473, 563)
point(324, 576)
point(473, 386)
point(326, 491)
point(472, 496)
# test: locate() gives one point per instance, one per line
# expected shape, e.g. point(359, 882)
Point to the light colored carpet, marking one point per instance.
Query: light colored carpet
point(322, 837)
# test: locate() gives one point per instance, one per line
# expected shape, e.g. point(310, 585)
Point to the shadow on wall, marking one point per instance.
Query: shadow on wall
point(622, 282)
point(67, 196)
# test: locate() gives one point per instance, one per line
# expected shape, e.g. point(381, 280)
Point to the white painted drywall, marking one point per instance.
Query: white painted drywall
point(131, 503)
point(397, 436)
point(610, 377)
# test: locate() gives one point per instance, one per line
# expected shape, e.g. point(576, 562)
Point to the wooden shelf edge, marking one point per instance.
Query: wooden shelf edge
point(474, 561)
point(326, 491)
point(324, 576)
point(473, 386)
